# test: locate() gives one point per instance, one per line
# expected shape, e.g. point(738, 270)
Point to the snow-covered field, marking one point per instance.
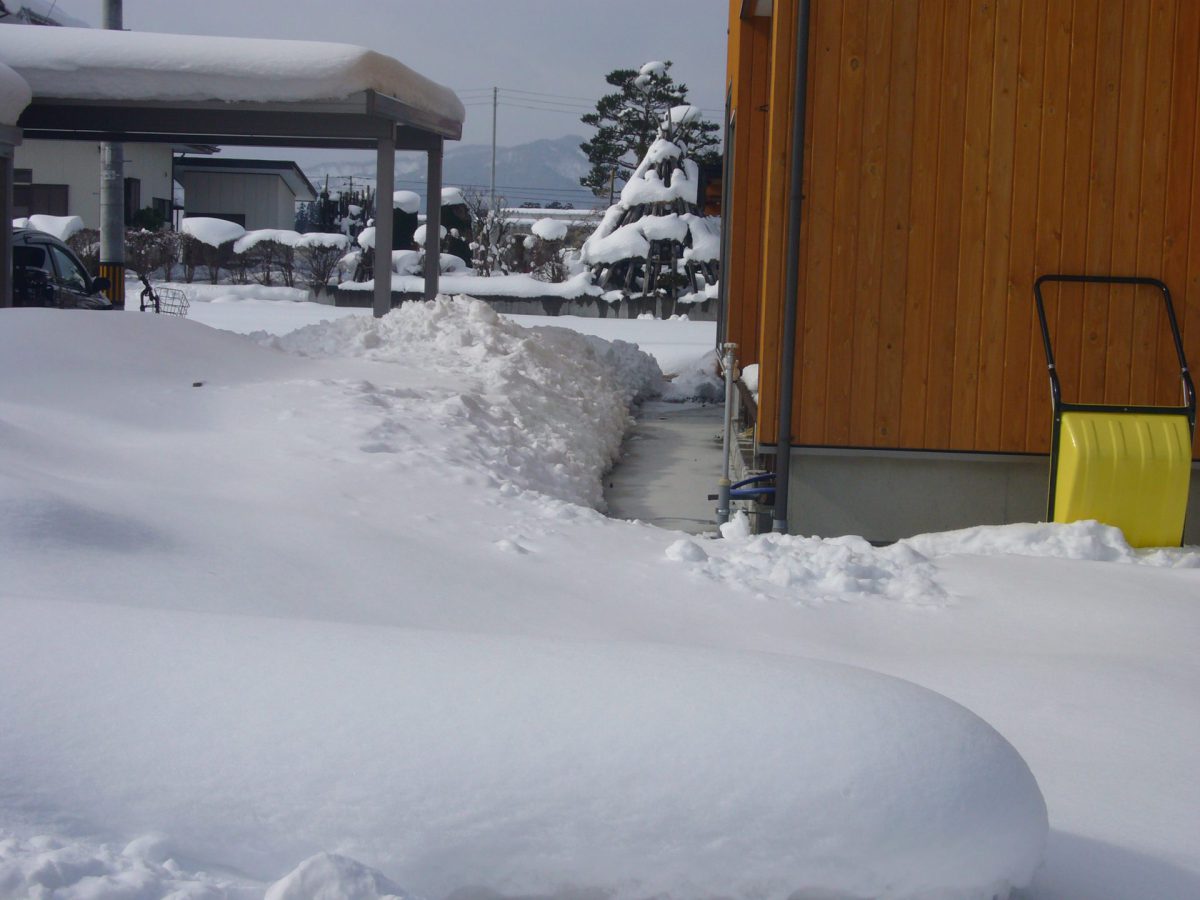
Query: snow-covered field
point(332, 609)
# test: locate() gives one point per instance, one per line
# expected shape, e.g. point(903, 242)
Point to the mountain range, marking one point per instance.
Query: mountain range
point(538, 172)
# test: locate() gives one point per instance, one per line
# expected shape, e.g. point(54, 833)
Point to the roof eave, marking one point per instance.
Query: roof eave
point(358, 120)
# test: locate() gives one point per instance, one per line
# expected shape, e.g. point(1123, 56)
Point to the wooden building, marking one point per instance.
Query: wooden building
point(953, 151)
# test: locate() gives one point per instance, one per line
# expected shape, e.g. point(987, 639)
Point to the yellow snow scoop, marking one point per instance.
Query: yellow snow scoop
point(1127, 466)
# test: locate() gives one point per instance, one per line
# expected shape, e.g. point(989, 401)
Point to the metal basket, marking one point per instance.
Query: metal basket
point(172, 301)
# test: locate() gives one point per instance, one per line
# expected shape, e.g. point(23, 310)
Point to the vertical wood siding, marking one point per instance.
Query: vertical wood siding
point(749, 88)
point(955, 151)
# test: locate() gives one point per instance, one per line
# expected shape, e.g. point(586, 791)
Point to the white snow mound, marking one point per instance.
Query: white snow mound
point(213, 232)
point(62, 227)
point(328, 876)
point(406, 201)
point(550, 407)
point(550, 229)
point(449, 760)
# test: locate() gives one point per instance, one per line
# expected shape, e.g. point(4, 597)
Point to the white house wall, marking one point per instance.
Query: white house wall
point(264, 200)
point(77, 165)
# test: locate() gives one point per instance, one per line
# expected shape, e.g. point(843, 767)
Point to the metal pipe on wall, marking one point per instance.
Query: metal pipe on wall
point(791, 288)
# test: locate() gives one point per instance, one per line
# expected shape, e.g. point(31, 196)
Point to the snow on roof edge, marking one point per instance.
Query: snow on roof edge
point(15, 95)
point(90, 64)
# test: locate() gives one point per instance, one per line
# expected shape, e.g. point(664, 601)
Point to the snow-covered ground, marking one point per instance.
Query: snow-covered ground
point(331, 608)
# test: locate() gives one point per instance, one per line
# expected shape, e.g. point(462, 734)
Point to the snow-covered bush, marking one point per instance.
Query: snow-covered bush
point(267, 251)
point(143, 250)
point(208, 241)
point(491, 235)
point(86, 244)
point(547, 250)
point(319, 254)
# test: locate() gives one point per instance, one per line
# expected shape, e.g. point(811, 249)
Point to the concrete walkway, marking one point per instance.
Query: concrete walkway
point(670, 463)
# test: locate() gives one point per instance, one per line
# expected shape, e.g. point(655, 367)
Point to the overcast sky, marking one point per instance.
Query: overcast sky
point(555, 52)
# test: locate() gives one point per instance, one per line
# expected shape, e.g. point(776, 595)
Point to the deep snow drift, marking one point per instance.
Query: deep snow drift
point(339, 619)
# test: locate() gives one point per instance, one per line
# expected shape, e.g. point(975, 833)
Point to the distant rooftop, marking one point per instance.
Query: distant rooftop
point(296, 180)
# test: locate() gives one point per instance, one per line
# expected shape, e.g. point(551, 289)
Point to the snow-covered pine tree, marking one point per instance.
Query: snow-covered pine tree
point(626, 123)
point(654, 244)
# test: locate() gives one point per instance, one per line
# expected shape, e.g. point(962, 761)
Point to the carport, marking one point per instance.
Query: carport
point(93, 85)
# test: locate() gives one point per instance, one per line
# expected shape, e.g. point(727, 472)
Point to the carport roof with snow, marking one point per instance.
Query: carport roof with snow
point(142, 86)
point(137, 86)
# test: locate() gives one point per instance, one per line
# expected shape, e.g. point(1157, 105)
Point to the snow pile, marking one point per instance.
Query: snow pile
point(811, 569)
point(329, 876)
point(213, 232)
point(698, 379)
point(558, 438)
point(515, 286)
point(62, 227)
point(817, 570)
point(121, 65)
point(419, 234)
point(252, 239)
point(412, 263)
point(448, 760)
point(14, 95)
point(452, 196)
point(44, 866)
point(406, 201)
point(1086, 540)
point(550, 229)
point(238, 293)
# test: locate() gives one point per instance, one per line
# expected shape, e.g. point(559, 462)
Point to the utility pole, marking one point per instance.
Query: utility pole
point(112, 195)
point(495, 104)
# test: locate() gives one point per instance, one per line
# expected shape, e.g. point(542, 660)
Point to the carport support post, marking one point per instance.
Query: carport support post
point(385, 172)
point(433, 221)
point(112, 195)
point(6, 211)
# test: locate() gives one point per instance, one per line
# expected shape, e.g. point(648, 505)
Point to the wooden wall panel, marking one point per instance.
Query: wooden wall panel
point(954, 152)
point(749, 87)
point(817, 237)
point(1020, 340)
point(777, 154)
point(918, 286)
point(897, 201)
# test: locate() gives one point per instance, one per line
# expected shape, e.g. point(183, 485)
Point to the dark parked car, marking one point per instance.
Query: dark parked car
point(46, 272)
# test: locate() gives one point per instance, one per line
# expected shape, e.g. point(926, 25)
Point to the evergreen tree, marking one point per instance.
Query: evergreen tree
point(627, 122)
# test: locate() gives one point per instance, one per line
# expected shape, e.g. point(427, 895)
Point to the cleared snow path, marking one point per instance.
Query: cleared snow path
point(670, 462)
